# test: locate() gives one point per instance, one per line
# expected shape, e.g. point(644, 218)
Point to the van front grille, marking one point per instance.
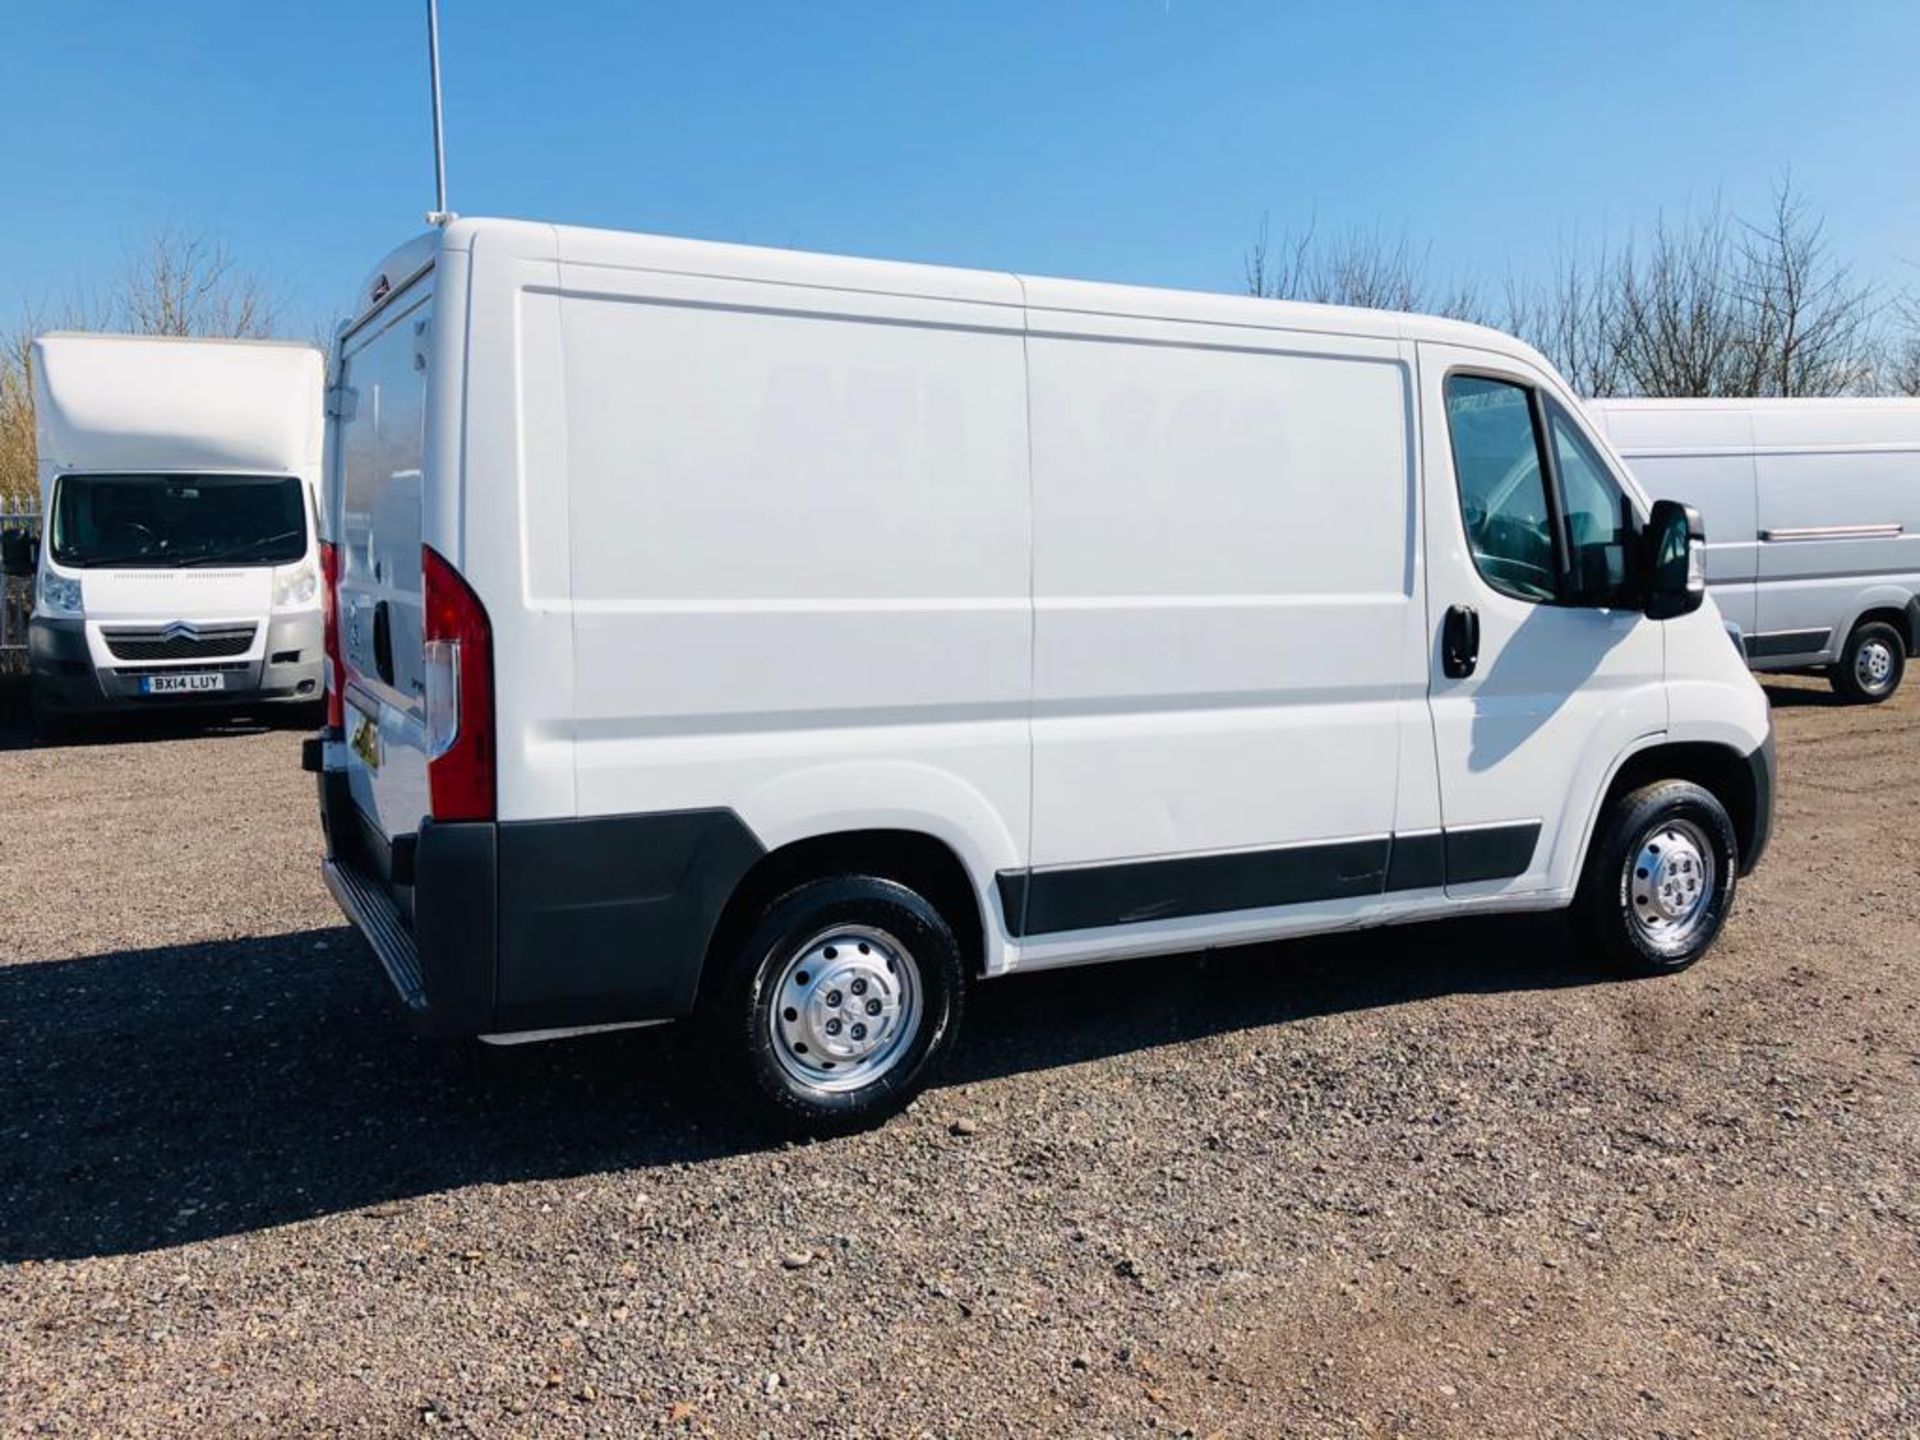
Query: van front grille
point(244, 667)
point(179, 641)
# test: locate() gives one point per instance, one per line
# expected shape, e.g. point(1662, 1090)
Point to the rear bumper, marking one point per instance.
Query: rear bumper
point(65, 678)
point(488, 928)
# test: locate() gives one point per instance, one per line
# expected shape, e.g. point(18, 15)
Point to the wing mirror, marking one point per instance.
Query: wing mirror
point(1673, 560)
point(18, 553)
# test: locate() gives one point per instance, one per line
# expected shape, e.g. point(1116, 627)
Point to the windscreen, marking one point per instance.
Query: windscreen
point(166, 521)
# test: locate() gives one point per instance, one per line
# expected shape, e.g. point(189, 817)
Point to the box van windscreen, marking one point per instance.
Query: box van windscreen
point(167, 521)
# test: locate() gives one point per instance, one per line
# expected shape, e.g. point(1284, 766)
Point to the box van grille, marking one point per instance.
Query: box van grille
point(178, 642)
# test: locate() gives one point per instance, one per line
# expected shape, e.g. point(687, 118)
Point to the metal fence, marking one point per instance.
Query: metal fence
point(16, 592)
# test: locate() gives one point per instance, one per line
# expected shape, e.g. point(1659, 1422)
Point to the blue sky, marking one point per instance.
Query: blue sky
point(1135, 140)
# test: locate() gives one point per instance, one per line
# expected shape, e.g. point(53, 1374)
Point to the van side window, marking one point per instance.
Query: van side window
point(1498, 462)
point(1599, 519)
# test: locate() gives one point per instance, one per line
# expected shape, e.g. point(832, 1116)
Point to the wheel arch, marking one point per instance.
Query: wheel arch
point(1903, 617)
point(922, 862)
point(1723, 771)
point(1891, 604)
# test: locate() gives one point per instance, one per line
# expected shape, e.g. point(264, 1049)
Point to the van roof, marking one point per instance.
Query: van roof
point(148, 403)
point(1733, 426)
point(669, 254)
point(1786, 405)
point(108, 337)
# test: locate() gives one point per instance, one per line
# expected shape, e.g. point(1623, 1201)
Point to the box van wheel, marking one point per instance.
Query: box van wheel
point(1871, 664)
point(839, 1006)
point(1659, 880)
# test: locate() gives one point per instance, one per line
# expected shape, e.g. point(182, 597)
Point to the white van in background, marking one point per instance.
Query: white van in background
point(178, 562)
point(788, 641)
point(1812, 509)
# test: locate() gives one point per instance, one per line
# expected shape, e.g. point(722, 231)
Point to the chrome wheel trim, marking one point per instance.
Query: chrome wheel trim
point(1873, 666)
point(846, 1005)
point(1668, 884)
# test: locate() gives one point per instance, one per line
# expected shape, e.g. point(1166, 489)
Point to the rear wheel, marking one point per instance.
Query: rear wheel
point(840, 1006)
point(1659, 880)
point(1871, 665)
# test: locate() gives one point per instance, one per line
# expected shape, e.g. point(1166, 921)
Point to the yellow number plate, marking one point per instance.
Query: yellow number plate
point(366, 739)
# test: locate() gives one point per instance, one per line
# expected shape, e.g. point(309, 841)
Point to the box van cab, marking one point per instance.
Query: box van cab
point(787, 642)
point(1814, 511)
point(179, 562)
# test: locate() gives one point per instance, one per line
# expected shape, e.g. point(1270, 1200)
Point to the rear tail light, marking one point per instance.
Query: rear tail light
point(336, 677)
point(458, 650)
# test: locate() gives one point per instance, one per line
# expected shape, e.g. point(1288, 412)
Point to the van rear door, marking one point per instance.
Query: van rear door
point(378, 442)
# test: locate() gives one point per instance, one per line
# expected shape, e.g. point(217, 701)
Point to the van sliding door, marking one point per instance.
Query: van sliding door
point(1229, 653)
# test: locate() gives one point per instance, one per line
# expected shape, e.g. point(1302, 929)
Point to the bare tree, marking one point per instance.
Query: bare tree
point(1903, 361)
point(1810, 325)
point(1706, 305)
point(1572, 316)
point(1366, 268)
point(183, 282)
point(17, 479)
point(1680, 321)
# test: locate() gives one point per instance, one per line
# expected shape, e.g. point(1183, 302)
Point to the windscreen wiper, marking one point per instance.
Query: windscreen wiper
point(240, 552)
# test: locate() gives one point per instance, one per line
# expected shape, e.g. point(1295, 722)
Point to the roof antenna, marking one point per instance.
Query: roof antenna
point(439, 215)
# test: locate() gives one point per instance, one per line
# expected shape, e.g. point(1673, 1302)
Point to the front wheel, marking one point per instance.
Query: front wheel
point(840, 1006)
point(1659, 880)
point(1871, 664)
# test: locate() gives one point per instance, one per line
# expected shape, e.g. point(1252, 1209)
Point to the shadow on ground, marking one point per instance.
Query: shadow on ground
point(141, 727)
point(152, 1098)
point(1798, 697)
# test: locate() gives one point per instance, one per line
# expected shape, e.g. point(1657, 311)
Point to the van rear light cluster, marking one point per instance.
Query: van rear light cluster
point(458, 650)
point(335, 676)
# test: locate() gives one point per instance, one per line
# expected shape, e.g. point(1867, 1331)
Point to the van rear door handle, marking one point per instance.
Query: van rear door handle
point(383, 642)
point(1460, 642)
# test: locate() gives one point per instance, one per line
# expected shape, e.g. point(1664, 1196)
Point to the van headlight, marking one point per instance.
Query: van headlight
point(59, 594)
point(295, 586)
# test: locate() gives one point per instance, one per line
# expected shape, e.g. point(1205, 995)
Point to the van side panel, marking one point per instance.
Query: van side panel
point(1703, 458)
point(1812, 508)
point(799, 555)
point(1229, 635)
point(1856, 467)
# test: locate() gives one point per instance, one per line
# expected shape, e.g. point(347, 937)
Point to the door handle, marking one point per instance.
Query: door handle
point(383, 643)
point(1460, 642)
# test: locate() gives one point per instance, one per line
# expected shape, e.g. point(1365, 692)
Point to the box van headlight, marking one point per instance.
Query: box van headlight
point(59, 594)
point(295, 586)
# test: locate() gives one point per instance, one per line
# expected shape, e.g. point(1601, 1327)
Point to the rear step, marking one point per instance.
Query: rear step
point(371, 909)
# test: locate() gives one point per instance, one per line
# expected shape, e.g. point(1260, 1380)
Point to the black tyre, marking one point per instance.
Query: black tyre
point(839, 1006)
point(1871, 665)
point(1659, 880)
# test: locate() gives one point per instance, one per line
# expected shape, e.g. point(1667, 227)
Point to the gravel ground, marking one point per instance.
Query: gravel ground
point(1433, 1181)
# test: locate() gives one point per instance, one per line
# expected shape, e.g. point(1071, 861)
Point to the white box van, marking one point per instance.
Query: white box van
point(179, 560)
point(1813, 509)
point(788, 641)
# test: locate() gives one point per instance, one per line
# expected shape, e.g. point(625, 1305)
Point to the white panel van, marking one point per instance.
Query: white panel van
point(1813, 508)
point(787, 642)
point(179, 562)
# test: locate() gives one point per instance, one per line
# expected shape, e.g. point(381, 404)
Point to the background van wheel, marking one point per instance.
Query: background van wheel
point(1659, 880)
point(839, 1006)
point(1870, 667)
